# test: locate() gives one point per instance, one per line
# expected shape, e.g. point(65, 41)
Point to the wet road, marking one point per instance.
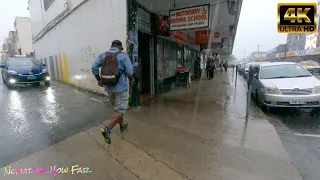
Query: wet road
point(34, 118)
point(299, 131)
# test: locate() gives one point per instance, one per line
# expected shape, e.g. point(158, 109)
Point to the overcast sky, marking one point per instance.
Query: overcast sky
point(9, 9)
point(257, 24)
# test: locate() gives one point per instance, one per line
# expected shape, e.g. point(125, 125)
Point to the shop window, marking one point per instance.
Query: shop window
point(166, 54)
point(179, 55)
point(160, 58)
point(173, 59)
point(188, 58)
point(167, 58)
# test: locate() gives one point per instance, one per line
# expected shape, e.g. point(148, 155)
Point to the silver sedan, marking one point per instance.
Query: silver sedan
point(285, 84)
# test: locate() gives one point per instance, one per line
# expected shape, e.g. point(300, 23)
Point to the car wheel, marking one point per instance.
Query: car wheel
point(259, 103)
point(47, 83)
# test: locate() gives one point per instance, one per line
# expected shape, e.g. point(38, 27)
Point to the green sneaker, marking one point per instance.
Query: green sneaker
point(124, 127)
point(106, 134)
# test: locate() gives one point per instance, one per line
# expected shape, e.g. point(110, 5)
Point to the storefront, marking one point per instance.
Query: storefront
point(155, 51)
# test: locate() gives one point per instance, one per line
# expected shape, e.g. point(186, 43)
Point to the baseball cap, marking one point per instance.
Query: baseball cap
point(117, 43)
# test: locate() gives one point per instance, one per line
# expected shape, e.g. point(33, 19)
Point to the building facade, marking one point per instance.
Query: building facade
point(12, 43)
point(69, 35)
point(9, 47)
point(5, 49)
point(296, 42)
point(22, 27)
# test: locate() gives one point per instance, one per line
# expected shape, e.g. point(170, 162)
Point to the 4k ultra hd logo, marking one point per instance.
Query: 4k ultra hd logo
point(297, 18)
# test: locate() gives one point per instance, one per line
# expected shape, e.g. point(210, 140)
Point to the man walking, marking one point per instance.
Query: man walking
point(117, 91)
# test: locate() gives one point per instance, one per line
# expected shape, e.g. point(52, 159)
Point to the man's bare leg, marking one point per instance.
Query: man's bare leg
point(121, 120)
point(116, 118)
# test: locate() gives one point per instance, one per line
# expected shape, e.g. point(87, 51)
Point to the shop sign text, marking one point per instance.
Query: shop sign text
point(189, 18)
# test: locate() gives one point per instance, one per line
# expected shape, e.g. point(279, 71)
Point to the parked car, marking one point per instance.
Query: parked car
point(253, 65)
point(311, 66)
point(241, 68)
point(285, 84)
point(245, 72)
point(24, 70)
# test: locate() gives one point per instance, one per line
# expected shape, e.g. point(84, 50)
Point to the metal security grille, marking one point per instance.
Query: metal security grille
point(47, 3)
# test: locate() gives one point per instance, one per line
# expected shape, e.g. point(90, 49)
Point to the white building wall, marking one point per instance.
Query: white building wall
point(41, 17)
point(36, 16)
point(24, 35)
point(71, 46)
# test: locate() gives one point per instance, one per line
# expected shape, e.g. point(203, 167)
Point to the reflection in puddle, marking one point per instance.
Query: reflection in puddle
point(49, 111)
point(298, 119)
point(17, 117)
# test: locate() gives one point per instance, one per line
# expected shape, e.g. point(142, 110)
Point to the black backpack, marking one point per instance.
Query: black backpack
point(110, 73)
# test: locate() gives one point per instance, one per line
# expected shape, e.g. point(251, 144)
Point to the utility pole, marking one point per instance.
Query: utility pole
point(244, 55)
point(258, 52)
point(285, 51)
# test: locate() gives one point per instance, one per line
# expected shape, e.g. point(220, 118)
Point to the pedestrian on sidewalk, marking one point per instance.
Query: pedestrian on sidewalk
point(225, 65)
point(117, 62)
point(212, 69)
point(220, 67)
point(197, 69)
point(208, 68)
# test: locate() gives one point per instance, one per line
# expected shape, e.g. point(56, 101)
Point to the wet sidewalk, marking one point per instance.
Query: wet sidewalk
point(195, 134)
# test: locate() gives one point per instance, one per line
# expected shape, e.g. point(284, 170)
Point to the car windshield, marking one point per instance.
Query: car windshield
point(248, 65)
point(311, 63)
point(23, 62)
point(283, 71)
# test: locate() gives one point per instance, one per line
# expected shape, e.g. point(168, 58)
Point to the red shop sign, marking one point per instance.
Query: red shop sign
point(202, 37)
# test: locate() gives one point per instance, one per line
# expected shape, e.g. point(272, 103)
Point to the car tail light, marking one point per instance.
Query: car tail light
point(247, 70)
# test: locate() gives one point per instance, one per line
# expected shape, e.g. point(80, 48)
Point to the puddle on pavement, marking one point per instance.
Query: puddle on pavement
point(297, 119)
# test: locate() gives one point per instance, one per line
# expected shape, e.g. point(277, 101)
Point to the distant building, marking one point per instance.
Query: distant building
point(272, 53)
point(281, 48)
point(296, 42)
point(12, 43)
point(9, 45)
point(4, 49)
point(22, 27)
point(258, 55)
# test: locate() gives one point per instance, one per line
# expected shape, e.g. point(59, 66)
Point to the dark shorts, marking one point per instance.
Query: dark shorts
point(119, 101)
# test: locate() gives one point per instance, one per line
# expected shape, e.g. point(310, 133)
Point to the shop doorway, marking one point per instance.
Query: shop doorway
point(145, 66)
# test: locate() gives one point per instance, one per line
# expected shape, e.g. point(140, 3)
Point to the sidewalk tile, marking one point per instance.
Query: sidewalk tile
point(79, 150)
point(137, 161)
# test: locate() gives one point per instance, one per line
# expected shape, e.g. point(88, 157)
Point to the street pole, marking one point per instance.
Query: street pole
point(285, 51)
point(244, 55)
point(251, 76)
point(258, 52)
point(236, 76)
